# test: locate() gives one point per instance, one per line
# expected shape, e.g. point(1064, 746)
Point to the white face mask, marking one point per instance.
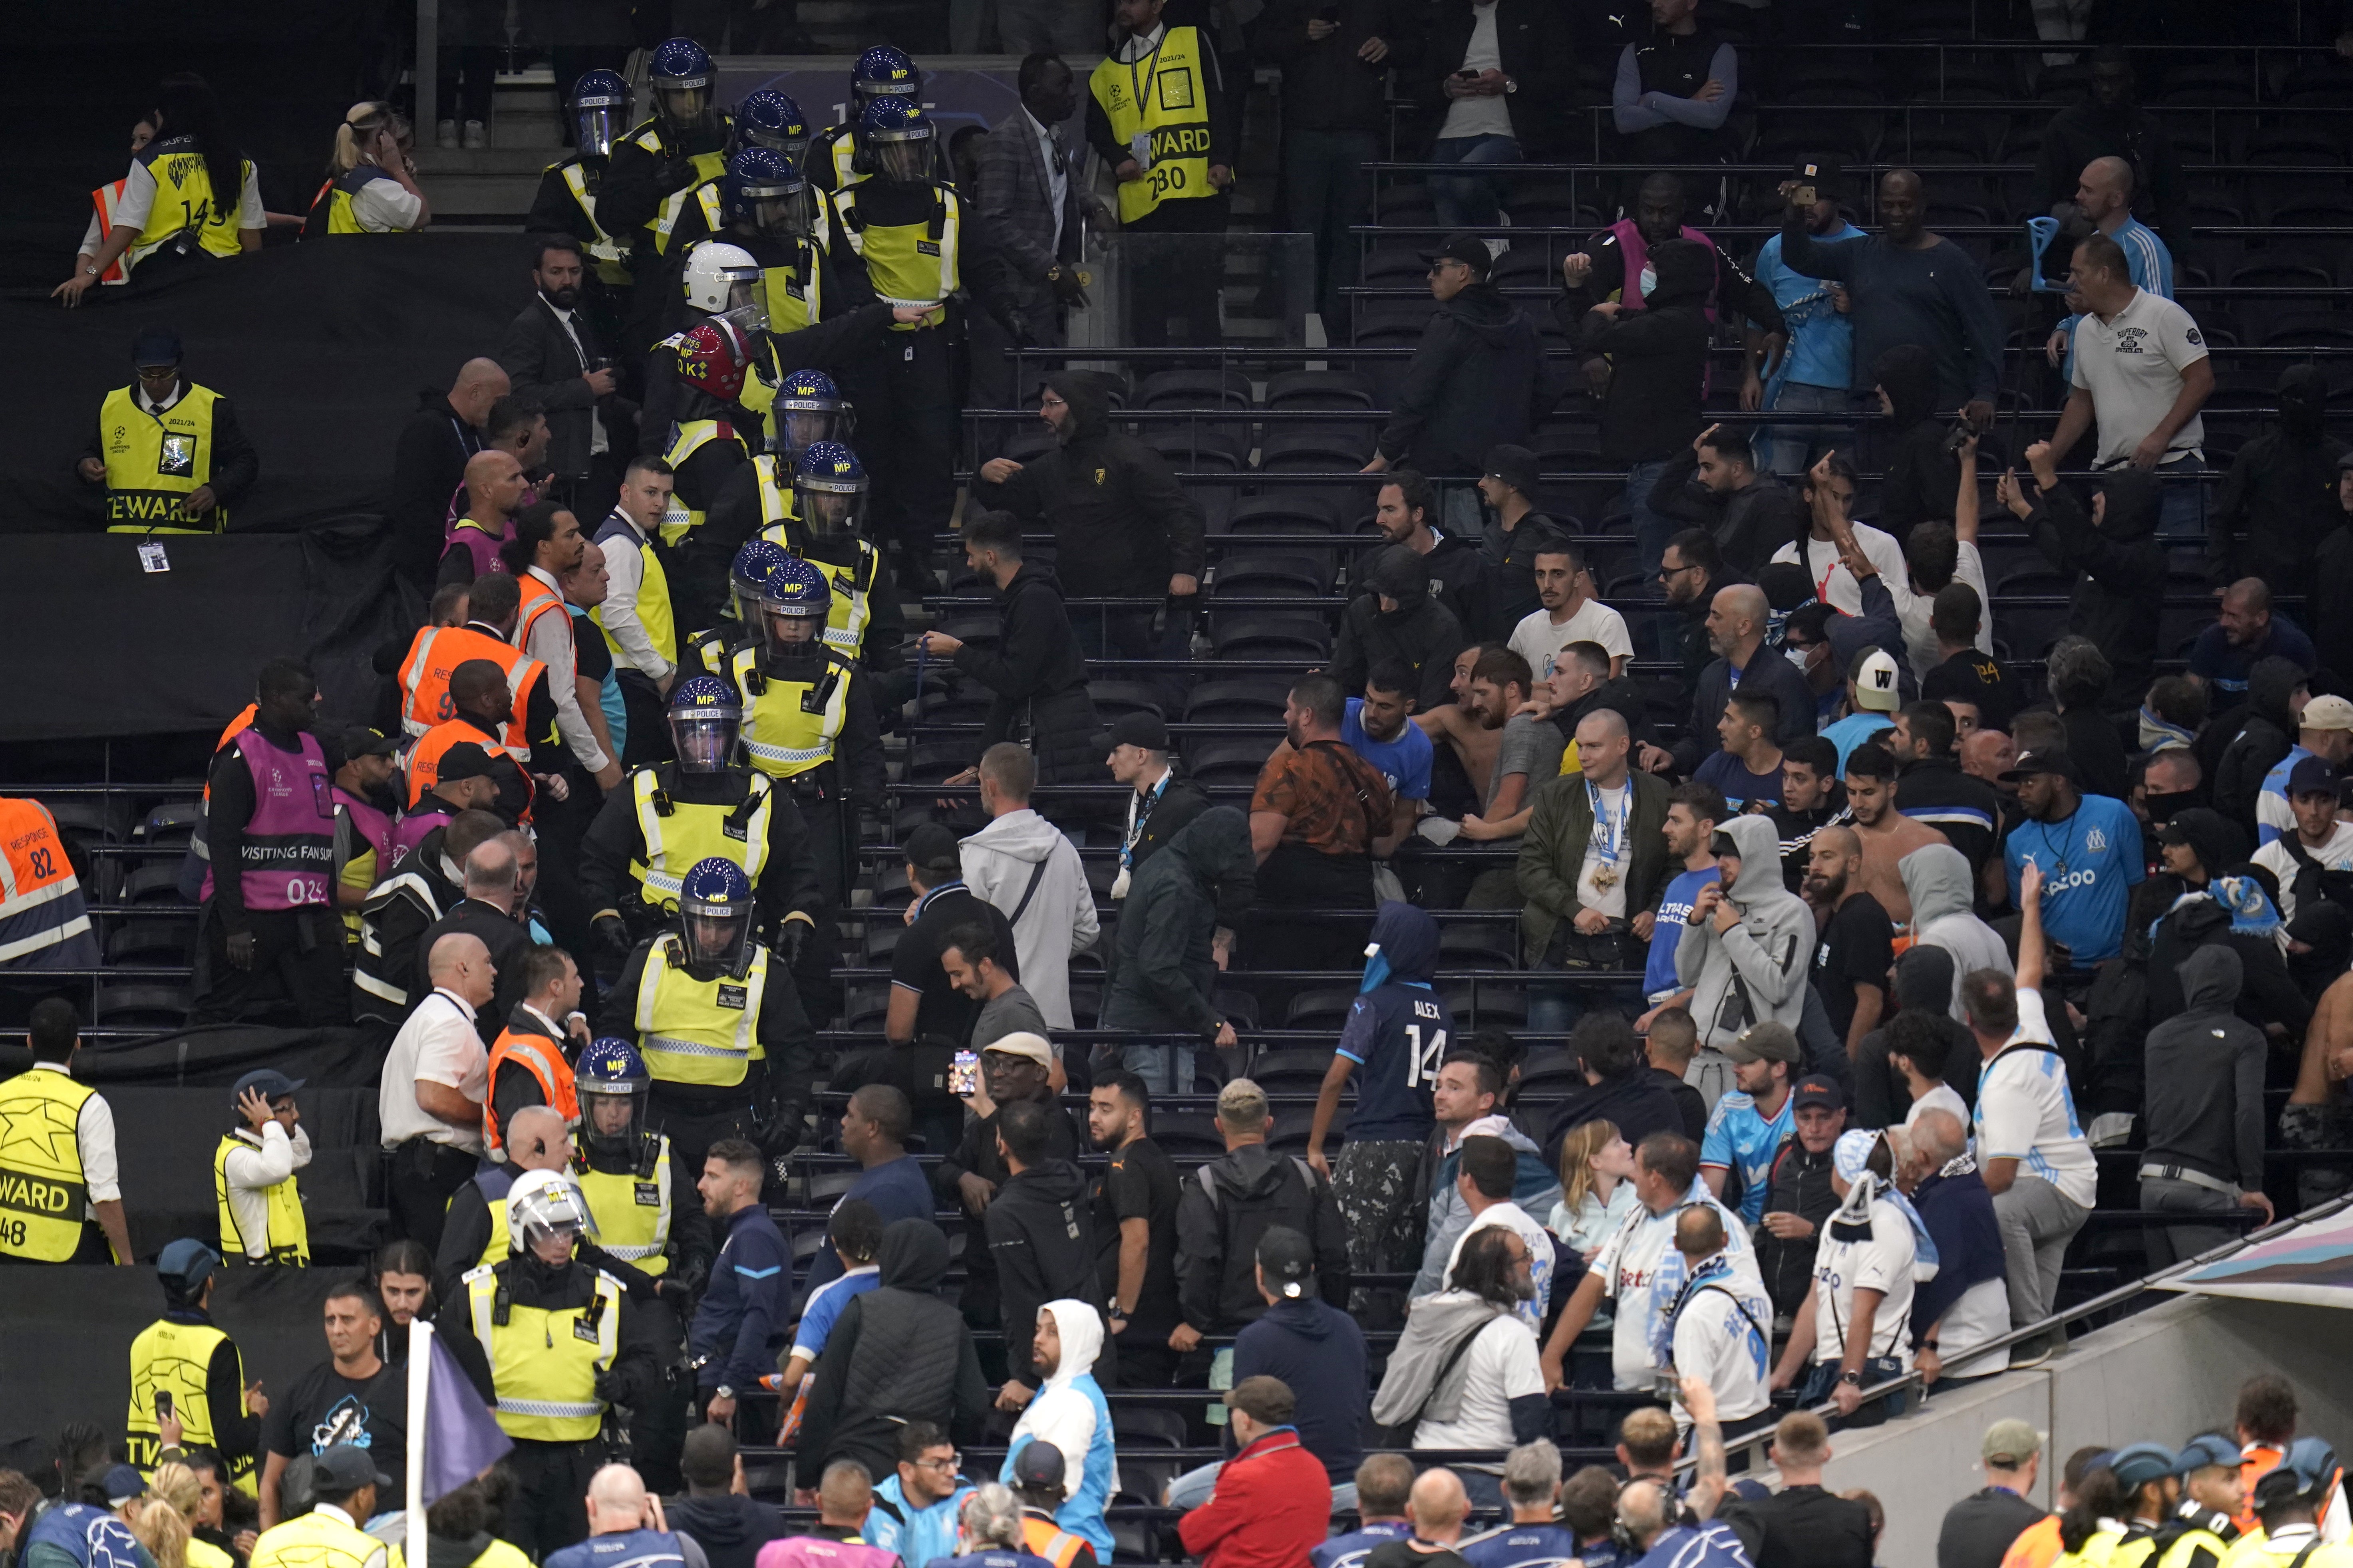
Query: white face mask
point(1800, 657)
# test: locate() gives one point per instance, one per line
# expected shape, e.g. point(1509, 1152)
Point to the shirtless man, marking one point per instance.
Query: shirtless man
point(1486, 695)
point(1887, 835)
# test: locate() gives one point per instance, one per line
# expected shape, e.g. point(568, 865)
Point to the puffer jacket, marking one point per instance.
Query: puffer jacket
point(1167, 973)
point(1471, 385)
point(2119, 570)
point(897, 1353)
point(1768, 952)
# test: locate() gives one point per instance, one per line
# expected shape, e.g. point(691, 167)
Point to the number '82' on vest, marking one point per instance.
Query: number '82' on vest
point(1164, 94)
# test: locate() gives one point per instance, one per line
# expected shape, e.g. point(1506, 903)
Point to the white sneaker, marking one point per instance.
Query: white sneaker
point(445, 134)
point(477, 137)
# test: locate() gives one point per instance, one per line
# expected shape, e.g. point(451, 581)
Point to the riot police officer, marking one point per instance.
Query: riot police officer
point(907, 225)
point(567, 201)
point(557, 1344)
point(881, 72)
point(651, 1226)
point(709, 441)
point(725, 1039)
point(668, 816)
point(720, 281)
point(826, 527)
point(658, 168)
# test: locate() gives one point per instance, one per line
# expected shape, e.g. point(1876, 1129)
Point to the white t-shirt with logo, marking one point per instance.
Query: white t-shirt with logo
point(2336, 855)
point(1629, 1260)
point(1881, 1262)
point(2026, 1112)
point(1833, 584)
point(2131, 364)
point(1539, 641)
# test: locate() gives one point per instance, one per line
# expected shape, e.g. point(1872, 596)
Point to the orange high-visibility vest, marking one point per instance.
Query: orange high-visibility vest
point(425, 684)
point(545, 1057)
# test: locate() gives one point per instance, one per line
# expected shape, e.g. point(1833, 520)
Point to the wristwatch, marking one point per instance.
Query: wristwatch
point(89, 268)
point(1853, 1377)
point(1510, 86)
point(724, 1392)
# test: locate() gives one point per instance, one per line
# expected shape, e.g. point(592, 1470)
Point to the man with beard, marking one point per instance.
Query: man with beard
point(1036, 669)
point(1735, 630)
point(1317, 816)
point(1811, 370)
point(1689, 572)
point(1398, 619)
point(552, 355)
point(1377, 728)
point(1570, 612)
point(2278, 500)
point(1135, 1205)
point(1718, 488)
point(1477, 726)
point(1855, 948)
point(1508, 593)
point(1886, 834)
point(2245, 629)
point(1405, 510)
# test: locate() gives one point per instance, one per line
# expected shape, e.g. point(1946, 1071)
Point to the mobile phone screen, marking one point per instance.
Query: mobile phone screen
point(964, 1073)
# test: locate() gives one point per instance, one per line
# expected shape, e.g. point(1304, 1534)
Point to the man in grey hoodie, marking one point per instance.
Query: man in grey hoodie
point(1022, 863)
point(2203, 1104)
point(1749, 940)
point(1936, 879)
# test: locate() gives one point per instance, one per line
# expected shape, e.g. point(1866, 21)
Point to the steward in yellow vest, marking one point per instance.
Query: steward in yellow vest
point(183, 1363)
point(721, 1027)
point(51, 1129)
point(1156, 112)
point(668, 816)
point(170, 453)
point(554, 1343)
point(261, 1218)
point(350, 1490)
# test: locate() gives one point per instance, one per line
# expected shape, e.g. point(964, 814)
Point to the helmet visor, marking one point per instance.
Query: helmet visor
point(798, 429)
point(596, 125)
point(705, 740)
point(715, 940)
point(612, 1115)
point(789, 632)
point(906, 159)
point(785, 211)
point(830, 512)
point(682, 108)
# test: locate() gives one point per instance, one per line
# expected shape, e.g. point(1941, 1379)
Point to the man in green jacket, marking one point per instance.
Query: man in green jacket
point(1168, 932)
point(1591, 868)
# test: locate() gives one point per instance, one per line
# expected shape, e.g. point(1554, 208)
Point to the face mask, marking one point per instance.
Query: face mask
point(1649, 280)
point(1800, 657)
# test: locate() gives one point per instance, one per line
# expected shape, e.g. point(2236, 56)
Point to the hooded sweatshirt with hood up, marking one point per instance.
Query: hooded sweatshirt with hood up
point(2267, 733)
point(2119, 572)
point(1393, 1027)
point(1658, 356)
point(1936, 880)
point(1070, 1413)
point(2203, 1105)
point(2279, 499)
point(1471, 385)
point(1021, 861)
point(1767, 954)
point(1122, 525)
point(897, 1353)
point(1166, 973)
point(1420, 634)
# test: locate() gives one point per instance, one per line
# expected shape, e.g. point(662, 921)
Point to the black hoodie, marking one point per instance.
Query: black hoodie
point(1471, 385)
point(1165, 979)
point(897, 1353)
point(1922, 478)
point(2279, 499)
point(1231, 1202)
point(2267, 731)
point(1039, 679)
point(1120, 525)
point(731, 1529)
point(1658, 355)
point(2205, 1084)
point(2119, 570)
point(1041, 1240)
point(1421, 633)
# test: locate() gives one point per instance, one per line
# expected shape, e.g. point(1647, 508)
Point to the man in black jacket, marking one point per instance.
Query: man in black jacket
point(2279, 499)
point(421, 886)
point(1406, 511)
point(1803, 1525)
point(428, 463)
point(1735, 630)
point(1014, 1071)
point(1178, 918)
point(1691, 570)
point(1507, 589)
point(493, 891)
point(553, 356)
point(1647, 361)
point(1798, 1198)
point(2113, 553)
point(1231, 1203)
point(1395, 618)
point(1472, 379)
point(1509, 109)
point(1041, 1242)
point(2204, 1099)
point(1035, 670)
point(1123, 528)
point(1138, 745)
point(1717, 488)
point(1334, 68)
point(1659, 209)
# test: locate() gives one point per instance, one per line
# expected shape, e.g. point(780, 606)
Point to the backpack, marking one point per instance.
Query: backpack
point(1241, 1223)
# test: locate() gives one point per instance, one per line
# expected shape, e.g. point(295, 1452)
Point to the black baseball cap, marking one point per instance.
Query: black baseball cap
point(1287, 1259)
point(272, 1083)
point(466, 760)
point(359, 740)
point(1145, 729)
point(1467, 248)
point(2042, 760)
point(2313, 776)
point(1815, 1088)
point(932, 847)
point(346, 1469)
point(1516, 466)
point(1824, 173)
point(155, 347)
point(1039, 1464)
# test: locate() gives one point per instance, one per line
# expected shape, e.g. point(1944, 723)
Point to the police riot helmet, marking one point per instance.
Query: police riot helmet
point(794, 603)
point(883, 71)
point(749, 574)
point(608, 1073)
point(829, 489)
point(714, 907)
point(705, 717)
point(711, 359)
point(722, 280)
point(600, 108)
point(680, 74)
point(894, 138)
point(764, 192)
point(809, 409)
point(771, 119)
point(544, 1204)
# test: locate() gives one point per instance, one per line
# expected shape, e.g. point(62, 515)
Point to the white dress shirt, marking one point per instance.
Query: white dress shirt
point(437, 1045)
point(102, 1176)
point(551, 643)
point(624, 575)
point(597, 445)
point(256, 1167)
point(1058, 176)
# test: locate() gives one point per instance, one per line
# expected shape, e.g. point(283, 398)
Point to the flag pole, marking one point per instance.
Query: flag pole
point(420, 1372)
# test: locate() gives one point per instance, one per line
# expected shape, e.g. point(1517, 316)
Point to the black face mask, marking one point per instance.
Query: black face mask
point(2162, 807)
point(563, 299)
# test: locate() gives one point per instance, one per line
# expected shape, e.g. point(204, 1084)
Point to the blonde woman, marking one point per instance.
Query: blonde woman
point(371, 184)
point(164, 1520)
point(1596, 1188)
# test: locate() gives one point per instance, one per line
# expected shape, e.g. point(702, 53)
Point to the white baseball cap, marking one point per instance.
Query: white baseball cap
point(2326, 713)
point(1875, 677)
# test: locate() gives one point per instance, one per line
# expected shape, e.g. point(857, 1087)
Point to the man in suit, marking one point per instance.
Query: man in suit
point(553, 355)
point(1030, 213)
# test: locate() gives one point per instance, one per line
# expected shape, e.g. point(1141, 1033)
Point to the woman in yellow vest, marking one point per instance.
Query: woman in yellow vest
point(190, 192)
point(165, 1520)
point(253, 1173)
point(169, 453)
point(183, 1367)
point(371, 184)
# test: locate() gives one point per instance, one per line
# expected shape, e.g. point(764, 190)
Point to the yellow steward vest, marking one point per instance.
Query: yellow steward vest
point(154, 461)
point(172, 1358)
point(288, 1237)
point(43, 1197)
point(1164, 94)
point(318, 1540)
point(185, 202)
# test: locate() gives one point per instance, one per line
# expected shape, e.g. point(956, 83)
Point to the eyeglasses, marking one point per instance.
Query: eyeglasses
point(947, 1467)
point(1668, 573)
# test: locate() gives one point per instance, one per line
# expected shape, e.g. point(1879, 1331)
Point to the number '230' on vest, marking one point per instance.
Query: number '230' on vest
point(288, 849)
point(175, 1358)
point(1167, 95)
point(154, 461)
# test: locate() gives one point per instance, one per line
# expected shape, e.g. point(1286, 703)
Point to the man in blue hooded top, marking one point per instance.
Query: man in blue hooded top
point(1396, 1033)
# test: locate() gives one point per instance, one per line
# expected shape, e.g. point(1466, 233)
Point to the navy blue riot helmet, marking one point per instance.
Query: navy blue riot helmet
point(714, 906)
point(600, 107)
point(705, 717)
point(771, 119)
point(680, 74)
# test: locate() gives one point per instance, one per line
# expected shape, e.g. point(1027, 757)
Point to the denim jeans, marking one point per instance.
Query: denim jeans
point(2180, 503)
point(1793, 446)
point(1193, 1488)
point(1165, 1068)
point(1469, 202)
point(1651, 531)
point(1329, 190)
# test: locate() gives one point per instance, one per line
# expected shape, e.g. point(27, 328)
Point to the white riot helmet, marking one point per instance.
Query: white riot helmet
point(722, 278)
point(542, 1202)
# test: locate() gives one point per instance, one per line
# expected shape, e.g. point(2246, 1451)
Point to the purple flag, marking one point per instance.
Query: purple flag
point(461, 1437)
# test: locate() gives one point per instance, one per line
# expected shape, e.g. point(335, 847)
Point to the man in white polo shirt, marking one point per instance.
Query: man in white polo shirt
point(2142, 372)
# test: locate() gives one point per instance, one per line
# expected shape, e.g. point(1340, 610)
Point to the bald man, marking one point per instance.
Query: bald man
point(1736, 626)
point(495, 488)
point(626, 1527)
point(429, 462)
point(2105, 196)
point(2245, 629)
point(536, 1139)
point(1856, 941)
point(436, 1076)
point(1436, 1506)
point(495, 912)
